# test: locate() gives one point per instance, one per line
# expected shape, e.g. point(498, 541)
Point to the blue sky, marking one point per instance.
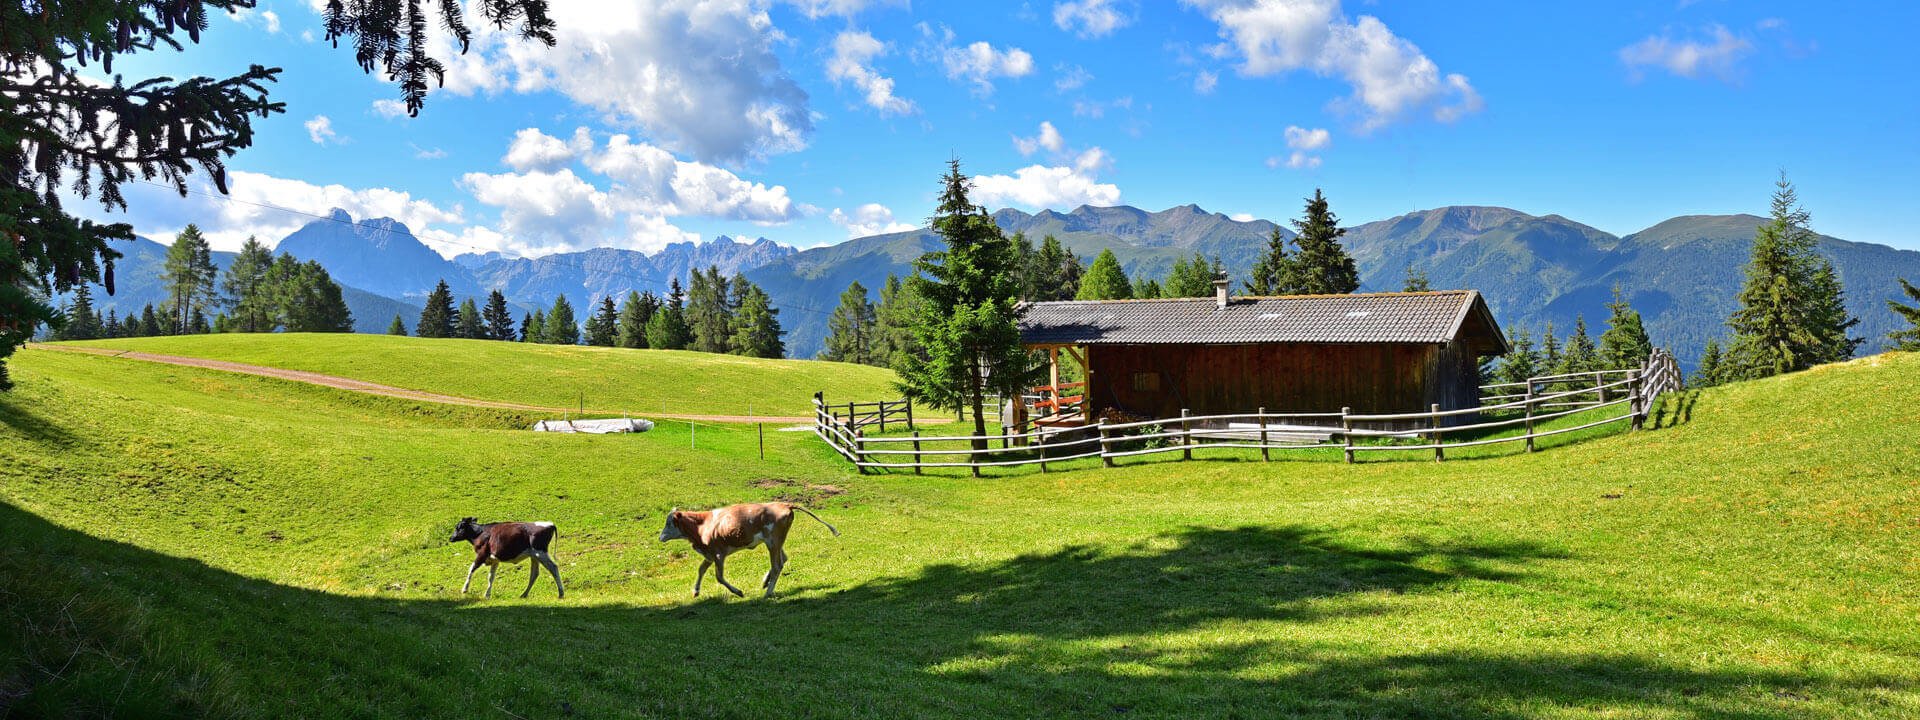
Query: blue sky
point(812, 121)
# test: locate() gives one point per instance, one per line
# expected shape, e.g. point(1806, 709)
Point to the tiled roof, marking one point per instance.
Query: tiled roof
point(1423, 317)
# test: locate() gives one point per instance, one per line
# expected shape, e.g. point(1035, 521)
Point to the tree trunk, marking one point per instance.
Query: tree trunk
point(979, 419)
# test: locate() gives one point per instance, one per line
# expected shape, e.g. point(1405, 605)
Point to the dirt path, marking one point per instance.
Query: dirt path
point(341, 383)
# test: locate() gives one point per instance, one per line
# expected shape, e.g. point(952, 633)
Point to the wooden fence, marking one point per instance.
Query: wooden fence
point(1628, 393)
point(859, 415)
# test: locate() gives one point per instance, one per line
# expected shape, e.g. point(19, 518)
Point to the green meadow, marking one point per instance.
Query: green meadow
point(180, 542)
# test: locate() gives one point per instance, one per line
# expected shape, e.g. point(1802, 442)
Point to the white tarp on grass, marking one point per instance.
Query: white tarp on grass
point(597, 427)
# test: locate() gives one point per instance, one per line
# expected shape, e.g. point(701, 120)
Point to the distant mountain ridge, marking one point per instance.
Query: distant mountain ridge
point(1681, 274)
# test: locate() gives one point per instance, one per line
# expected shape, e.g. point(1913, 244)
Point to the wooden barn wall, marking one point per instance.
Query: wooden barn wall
point(1210, 379)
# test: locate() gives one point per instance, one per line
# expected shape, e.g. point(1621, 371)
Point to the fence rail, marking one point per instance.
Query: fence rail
point(1629, 392)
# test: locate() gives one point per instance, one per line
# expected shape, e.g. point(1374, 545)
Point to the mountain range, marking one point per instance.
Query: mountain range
point(1681, 274)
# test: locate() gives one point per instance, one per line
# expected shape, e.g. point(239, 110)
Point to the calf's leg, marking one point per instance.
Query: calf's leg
point(720, 576)
point(535, 565)
point(701, 576)
point(552, 569)
point(470, 571)
point(778, 558)
point(492, 569)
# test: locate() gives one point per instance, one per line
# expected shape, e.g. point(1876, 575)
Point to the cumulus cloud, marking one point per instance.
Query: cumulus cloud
point(389, 108)
point(1389, 75)
point(1241, 217)
point(816, 9)
point(269, 208)
point(266, 20)
point(1205, 81)
point(320, 130)
point(1070, 77)
point(1304, 144)
point(1040, 186)
point(547, 211)
point(1048, 139)
point(538, 151)
point(976, 63)
point(852, 62)
point(868, 219)
point(651, 180)
point(1718, 55)
point(1088, 18)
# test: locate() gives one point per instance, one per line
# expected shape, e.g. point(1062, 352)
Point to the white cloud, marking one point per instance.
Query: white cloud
point(651, 180)
point(269, 208)
point(1098, 109)
point(977, 63)
point(1048, 139)
point(1719, 55)
point(816, 9)
point(320, 130)
point(1039, 186)
point(1071, 77)
point(852, 62)
point(425, 154)
point(547, 211)
point(1389, 75)
point(1304, 144)
point(538, 151)
point(1088, 18)
point(389, 108)
point(1205, 82)
point(1241, 217)
point(868, 219)
point(266, 20)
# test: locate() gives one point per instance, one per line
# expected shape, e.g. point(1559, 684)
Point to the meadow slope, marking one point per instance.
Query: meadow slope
point(607, 380)
point(188, 543)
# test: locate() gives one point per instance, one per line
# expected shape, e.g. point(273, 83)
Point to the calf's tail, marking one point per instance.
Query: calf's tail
point(836, 533)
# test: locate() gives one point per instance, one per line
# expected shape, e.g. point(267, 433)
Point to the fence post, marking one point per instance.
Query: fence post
point(882, 407)
point(1186, 436)
point(917, 459)
point(1439, 454)
point(1105, 459)
point(859, 450)
point(1600, 386)
point(1346, 436)
point(1266, 455)
point(761, 429)
point(909, 412)
point(1529, 406)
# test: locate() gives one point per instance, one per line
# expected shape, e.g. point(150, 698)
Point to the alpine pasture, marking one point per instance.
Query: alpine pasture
point(189, 543)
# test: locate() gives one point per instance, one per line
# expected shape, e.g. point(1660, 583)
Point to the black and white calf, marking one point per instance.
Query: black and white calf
point(508, 542)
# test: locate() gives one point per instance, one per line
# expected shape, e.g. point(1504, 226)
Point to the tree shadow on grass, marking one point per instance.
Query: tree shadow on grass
point(32, 426)
point(1196, 623)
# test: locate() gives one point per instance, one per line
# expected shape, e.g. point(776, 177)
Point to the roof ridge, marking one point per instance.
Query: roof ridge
point(1230, 298)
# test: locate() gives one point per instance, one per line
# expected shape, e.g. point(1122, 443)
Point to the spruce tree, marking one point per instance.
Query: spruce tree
point(561, 327)
point(1148, 288)
point(1625, 343)
point(1521, 362)
point(967, 324)
point(606, 324)
point(850, 330)
point(1550, 359)
point(1276, 272)
point(893, 321)
point(756, 324)
point(532, 327)
point(635, 313)
point(1909, 338)
point(1190, 279)
point(189, 276)
point(469, 326)
point(1792, 314)
point(1323, 266)
point(1580, 354)
point(438, 319)
point(244, 285)
point(709, 311)
point(1416, 280)
point(307, 298)
point(399, 327)
point(1105, 280)
point(1712, 370)
point(668, 328)
point(149, 322)
point(80, 317)
point(498, 319)
point(110, 326)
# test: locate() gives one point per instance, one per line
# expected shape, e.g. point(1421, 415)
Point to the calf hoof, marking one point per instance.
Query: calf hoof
point(737, 593)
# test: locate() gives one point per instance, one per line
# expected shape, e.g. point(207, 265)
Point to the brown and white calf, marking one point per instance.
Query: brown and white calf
point(715, 534)
point(509, 542)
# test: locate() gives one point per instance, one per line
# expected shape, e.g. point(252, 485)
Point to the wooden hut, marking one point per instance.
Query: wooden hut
point(1373, 352)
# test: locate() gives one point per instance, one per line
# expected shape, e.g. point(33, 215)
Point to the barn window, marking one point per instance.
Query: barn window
point(1146, 382)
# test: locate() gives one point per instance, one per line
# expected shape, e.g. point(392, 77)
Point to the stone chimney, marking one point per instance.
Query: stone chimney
point(1220, 284)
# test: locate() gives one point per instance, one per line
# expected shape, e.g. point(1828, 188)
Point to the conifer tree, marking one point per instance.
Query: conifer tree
point(497, 318)
point(968, 314)
point(80, 317)
point(893, 321)
point(756, 324)
point(149, 322)
point(243, 283)
point(1105, 280)
point(1792, 313)
point(468, 324)
point(1712, 370)
point(606, 324)
point(189, 276)
point(668, 328)
point(1275, 273)
point(1580, 354)
point(1416, 280)
point(1148, 288)
point(438, 319)
point(635, 313)
point(1190, 279)
point(399, 327)
point(1907, 339)
point(709, 311)
point(850, 330)
point(1550, 359)
point(530, 329)
point(1521, 362)
point(1322, 265)
point(1625, 343)
point(561, 327)
point(307, 299)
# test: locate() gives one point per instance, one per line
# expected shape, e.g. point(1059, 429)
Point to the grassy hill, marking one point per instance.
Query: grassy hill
point(612, 380)
point(190, 543)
